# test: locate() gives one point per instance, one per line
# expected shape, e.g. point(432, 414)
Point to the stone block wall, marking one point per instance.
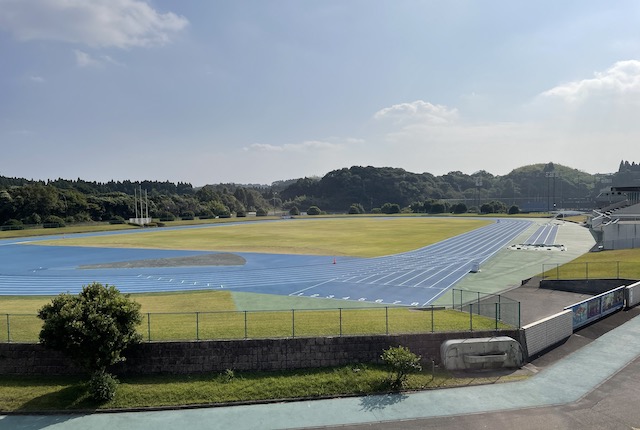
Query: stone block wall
point(239, 355)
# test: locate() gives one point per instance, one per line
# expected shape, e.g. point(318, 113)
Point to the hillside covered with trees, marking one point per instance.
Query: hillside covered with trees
point(538, 187)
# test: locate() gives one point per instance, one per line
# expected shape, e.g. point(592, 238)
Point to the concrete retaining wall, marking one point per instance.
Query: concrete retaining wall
point(632, 295)
point(542, 334)
point(241, 355)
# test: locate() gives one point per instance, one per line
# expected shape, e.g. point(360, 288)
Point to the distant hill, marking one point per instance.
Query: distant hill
point(536, 187)
point(530, 187)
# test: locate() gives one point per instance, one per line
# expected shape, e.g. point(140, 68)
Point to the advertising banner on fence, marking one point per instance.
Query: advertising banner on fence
point(597, 307)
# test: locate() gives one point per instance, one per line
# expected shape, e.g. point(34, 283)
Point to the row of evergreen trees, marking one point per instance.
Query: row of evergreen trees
point(353, 190)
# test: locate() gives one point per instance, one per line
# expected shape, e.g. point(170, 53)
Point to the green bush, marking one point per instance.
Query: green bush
point(261, 212)
point(12, 224)
point(117, 220)
point(401, 361)
point(187, 216)
point(356, 208)
point(92, 328)
point(227, 376)
point(313, 210)
point(390, 208)
point(102, 386)
point(294, 211)
point(53, 221)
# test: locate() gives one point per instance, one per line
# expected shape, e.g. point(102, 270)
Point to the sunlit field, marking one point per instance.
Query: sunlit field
point(359, 237)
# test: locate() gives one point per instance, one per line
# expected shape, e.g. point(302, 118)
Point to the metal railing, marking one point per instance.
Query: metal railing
point(591, 270)
point(223, 325)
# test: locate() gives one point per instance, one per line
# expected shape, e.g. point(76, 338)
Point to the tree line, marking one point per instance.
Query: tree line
point(357, 189)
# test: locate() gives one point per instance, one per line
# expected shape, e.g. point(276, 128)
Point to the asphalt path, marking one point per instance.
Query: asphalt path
point(414, 278)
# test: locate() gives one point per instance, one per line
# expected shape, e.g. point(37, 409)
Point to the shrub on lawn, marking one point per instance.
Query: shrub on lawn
point(401, 361)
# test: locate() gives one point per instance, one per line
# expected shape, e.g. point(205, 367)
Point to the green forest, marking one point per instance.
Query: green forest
point(533, 188)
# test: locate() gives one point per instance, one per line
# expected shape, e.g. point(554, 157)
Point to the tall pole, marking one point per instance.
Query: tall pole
point(554, 190)
point(274, 203)
point(141, 209)
point(135, 201)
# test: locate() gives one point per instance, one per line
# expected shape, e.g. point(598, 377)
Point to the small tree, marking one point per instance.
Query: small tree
point(261, 212)
point(390, 208)
point(514, 210)
point(294, 211)
point(93, 329)
point(313, 210)
point(402, 362)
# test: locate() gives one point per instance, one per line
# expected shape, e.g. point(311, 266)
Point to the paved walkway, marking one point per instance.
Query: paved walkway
point(563, 382)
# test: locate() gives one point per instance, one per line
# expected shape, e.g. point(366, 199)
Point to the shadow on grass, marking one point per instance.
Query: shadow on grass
point(66, 399)
point(50, 409)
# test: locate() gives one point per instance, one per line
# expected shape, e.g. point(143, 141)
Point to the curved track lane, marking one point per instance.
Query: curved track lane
point(413, 278)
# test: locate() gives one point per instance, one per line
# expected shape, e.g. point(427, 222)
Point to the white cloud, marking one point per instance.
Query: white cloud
point(37, 79)
point(418, 111)
point(587, 124)
point(309, 145)
point(96, 23)
point(622, 80)
point(85, 60)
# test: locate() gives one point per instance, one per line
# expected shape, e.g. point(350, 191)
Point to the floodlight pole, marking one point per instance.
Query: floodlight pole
point(274, 203)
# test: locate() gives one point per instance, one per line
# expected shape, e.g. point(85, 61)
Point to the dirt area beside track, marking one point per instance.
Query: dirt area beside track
point(217, 259)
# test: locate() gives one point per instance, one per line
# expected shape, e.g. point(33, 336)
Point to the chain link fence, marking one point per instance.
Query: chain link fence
point(493, 306)
point(293, 323)
point(591, 270)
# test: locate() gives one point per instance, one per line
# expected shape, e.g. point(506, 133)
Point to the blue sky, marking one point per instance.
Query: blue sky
point(258, 91)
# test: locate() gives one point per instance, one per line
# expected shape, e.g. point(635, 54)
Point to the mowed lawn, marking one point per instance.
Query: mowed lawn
point(358, 237)
point(622, 264)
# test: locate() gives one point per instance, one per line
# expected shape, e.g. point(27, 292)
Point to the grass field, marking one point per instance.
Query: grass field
point(278, 324)
point(358, 237)
point(32, 394)
point(623, 264)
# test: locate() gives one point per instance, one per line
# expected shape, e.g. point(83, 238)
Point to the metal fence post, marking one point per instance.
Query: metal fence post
point(149, 326)
point(519, 315)
point(386, 317)
point(497, 307)
point(618, 264)
point(432, 324)
point(8, 330)
point(557, 272)
point(470, 316)
point(587, 270)
point(197, 325)
point(340, 309)
point(245, 324)
point(293, 323)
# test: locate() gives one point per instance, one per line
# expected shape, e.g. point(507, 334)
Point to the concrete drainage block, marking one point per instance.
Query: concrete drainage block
point(482, 353)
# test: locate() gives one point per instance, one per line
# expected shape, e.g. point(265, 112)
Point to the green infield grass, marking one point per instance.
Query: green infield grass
point(207, 315)
point(358, 237)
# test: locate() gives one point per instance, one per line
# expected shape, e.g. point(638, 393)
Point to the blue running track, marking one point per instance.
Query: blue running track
point(413, 278)
point(545, 235)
